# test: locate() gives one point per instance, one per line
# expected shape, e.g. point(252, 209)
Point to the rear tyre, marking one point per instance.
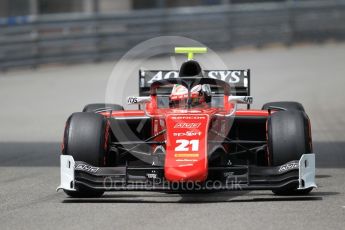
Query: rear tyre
point(288, 134)
point(102, 107)
point(84, 139)
point(288, 105)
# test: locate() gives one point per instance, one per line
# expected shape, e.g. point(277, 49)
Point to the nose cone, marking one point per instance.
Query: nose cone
point(196, 172)
point(186, 152)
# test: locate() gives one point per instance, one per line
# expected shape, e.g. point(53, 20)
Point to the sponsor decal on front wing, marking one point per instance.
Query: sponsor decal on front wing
point(288, 166)
point(86, 168)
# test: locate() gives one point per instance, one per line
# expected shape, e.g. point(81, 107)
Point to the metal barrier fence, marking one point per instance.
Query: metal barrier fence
point(79, 37)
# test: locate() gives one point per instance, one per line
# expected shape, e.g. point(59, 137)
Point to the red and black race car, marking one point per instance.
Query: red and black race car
point(189, 133)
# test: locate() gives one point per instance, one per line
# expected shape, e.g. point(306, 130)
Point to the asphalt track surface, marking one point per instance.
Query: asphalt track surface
point(35, 104)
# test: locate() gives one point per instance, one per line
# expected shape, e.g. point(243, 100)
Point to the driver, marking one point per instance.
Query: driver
point(200, 96)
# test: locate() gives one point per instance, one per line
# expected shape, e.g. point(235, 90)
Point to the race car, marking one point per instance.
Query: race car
point(193, 130)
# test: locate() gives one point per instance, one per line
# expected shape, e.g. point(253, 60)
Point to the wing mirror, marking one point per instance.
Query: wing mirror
point(241, 99)
point(138, 100)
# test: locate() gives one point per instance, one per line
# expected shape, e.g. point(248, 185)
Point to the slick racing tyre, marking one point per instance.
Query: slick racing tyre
point(287, 105)
point(288, 134)
point(84, 139)
point(102, 107)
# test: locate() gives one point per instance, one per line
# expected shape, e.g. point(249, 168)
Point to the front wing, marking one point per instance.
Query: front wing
point(299, 174)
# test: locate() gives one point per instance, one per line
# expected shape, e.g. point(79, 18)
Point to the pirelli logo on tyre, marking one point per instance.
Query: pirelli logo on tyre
point(187, 125)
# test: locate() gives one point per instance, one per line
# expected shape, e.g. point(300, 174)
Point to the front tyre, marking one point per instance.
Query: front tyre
point(289, 137)
point(85, 140)
point(100, 107)
point(287, 105)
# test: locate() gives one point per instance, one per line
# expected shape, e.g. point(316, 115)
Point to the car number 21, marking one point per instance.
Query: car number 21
point(187, 145)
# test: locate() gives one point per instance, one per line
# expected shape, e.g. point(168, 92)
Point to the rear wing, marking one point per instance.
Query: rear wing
point(238, 79)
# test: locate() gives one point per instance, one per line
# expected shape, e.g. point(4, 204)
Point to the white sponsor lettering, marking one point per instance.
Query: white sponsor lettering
point(132, 100)
point(188, 134)
point(224, 75)
point(151, 175)
point(187, 125)
point(241, 99)
point(288, 166)
point(188, 117)
point(248, 99)
point(229, 76)
point(170, 74)
point(235, 77)
point(159, 76)
point(86, 168)
point(228, 174)
point(213, 74)
point(136, 100)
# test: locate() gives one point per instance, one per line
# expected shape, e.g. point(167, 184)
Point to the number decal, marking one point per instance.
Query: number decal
point(185, 144)
point(195, 145)
point(182, 145)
